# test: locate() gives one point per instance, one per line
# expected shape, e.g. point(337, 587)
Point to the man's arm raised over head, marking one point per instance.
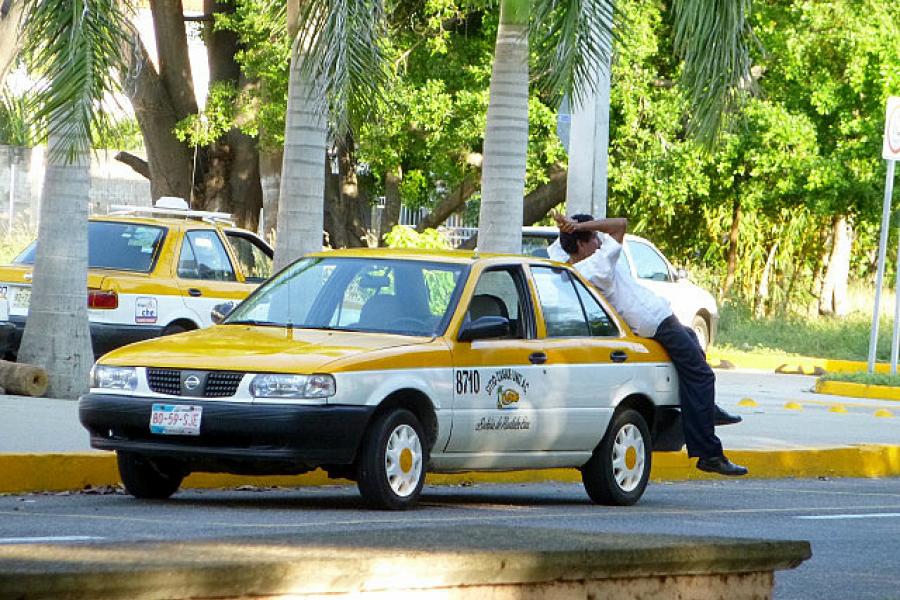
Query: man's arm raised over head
point(615, 228)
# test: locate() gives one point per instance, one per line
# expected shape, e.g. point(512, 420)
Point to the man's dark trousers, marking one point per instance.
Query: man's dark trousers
point(696, 387)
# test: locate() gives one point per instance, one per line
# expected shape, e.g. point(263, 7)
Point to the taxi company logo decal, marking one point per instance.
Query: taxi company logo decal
point(502, 423)
point(503, 384)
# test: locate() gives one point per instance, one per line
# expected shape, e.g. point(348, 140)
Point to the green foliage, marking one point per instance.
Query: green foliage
point(265, 54)
point(75, 46)
point(16, 125)
point(822, 337)
point(806, 149)
point(216, 119)
point(121, 134)
point(402, 236)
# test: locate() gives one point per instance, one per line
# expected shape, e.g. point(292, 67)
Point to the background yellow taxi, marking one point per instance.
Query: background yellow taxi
point(381, 365)
point(152, 271)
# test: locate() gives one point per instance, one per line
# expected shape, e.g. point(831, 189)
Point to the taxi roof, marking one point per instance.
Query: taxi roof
point(170, 222)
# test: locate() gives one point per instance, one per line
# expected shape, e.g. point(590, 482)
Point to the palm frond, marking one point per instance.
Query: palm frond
point(712, 38)
point(339, 42)
point(75, 47)
point(572, 41)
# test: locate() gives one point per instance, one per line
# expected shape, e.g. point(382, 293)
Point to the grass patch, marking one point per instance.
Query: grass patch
point(842, 338)
point(864, 378)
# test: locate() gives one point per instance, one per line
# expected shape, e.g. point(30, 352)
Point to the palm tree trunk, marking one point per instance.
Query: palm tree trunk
point(9, 38)
point(270, 180)
point(57, 335)
point(300, 208)
point(506, 134)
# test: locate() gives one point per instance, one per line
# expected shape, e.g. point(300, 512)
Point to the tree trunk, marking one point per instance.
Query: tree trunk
point(10, 14)
point(732, 246)
point(172, 50)
point(270, 182)
point(450, 204)
point(390, 216)
point(57, 335)
point(833, 299)
point(345, 202)
point(762, 294)
point(506, 134)
point(300, 204)
point(170, 161)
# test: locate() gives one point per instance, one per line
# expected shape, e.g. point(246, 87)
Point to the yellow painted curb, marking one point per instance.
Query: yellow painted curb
point(857, 390)
point(23, 473)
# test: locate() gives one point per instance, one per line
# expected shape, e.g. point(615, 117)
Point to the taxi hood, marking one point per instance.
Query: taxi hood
point(254, 349)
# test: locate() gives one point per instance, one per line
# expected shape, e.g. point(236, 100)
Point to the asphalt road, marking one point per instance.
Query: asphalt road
point(853, 525)
point(48, 425)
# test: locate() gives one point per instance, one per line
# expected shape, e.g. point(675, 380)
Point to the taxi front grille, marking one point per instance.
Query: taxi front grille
point(219, 384)
point(164, 381)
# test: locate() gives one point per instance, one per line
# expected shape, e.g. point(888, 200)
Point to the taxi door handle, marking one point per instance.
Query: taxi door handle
point(537, 358)
point(618, 356)
point(194, 292)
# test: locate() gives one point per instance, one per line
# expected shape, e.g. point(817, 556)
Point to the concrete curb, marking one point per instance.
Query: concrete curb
point(858, 390)
point(25, 473)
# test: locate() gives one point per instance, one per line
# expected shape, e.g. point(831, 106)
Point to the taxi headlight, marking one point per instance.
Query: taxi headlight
point(114, 378)
point(271, 385)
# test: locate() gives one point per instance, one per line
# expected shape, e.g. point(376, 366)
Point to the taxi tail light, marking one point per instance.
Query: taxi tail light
point(102, 299)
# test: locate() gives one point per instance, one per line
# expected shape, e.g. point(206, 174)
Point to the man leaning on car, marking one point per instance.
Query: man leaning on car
point(593, 247)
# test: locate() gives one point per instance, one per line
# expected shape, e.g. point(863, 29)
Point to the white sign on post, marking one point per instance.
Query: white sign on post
point(891, 150)
point(891, 153)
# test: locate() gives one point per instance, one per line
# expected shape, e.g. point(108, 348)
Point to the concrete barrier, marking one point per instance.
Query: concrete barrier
point(460, 562)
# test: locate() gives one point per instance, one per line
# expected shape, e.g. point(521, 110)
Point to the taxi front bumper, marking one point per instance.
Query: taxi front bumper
point(243, 438)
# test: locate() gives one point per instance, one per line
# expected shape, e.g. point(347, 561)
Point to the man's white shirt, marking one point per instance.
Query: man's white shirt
point(642, 309)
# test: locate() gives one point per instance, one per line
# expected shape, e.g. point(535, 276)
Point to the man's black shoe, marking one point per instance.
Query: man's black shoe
point(723, 418)
point(721, 465)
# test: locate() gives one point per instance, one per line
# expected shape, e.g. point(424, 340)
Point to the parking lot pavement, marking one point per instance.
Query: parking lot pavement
point(38, 425)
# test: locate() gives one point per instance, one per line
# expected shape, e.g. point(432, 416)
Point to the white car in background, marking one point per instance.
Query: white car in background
point(692, 305)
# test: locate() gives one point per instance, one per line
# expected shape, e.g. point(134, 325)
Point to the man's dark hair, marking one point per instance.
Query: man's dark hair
point(569, 241)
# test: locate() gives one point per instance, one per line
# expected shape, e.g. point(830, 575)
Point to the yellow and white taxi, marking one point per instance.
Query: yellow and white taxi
point(151, 272)
point(381, 365)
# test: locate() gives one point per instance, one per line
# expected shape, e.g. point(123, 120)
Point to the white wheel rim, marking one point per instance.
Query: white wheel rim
point(628, 457)
point(403, 460)
point(701, 336)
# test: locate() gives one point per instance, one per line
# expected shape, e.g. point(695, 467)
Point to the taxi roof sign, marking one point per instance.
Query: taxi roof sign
point(891, 149)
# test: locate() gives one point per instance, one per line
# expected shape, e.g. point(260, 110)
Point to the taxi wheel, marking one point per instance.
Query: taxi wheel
point(618, 471)
point(144, 478)
point(391, 466)
point(701, 329)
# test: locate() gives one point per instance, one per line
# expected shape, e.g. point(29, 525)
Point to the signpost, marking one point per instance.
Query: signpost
point(891, 153)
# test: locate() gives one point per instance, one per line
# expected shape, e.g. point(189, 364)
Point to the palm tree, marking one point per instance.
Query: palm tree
point(710, 36)
point(74, 45)
point(336, 72)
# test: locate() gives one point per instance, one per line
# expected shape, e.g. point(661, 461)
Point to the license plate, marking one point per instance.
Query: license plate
point(22, 298)
point(175, 419)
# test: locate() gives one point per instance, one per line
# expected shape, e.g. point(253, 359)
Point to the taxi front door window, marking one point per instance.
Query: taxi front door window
point(253, 260)
point(204, 257)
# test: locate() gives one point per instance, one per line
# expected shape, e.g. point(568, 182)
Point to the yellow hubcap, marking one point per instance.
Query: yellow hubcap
point(406, 460)
point(630, 457)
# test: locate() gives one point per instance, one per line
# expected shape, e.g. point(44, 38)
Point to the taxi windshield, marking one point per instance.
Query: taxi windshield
point(114, 245)
point(407, 297)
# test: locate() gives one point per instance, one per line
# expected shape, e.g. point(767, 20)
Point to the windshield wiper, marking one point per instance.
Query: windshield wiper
point(253, 322)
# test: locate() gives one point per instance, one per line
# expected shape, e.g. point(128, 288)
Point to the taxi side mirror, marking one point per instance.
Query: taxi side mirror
point(484, 328)
point(682, 275)
point(220, 311)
